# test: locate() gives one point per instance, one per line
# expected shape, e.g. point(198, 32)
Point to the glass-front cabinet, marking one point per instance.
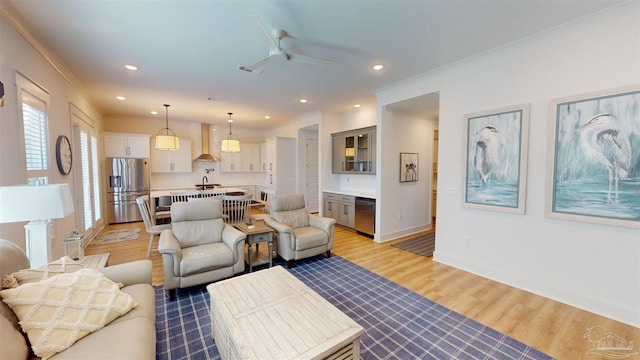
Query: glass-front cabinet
point(354, 151)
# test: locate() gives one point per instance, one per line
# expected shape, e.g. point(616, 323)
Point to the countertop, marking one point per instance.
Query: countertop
point(359, 193)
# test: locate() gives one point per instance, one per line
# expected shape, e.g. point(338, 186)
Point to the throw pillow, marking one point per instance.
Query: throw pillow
point(58, 311)
point(61, 266)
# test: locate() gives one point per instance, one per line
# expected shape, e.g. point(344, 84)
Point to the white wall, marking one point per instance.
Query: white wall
point(594, 267)
point(18, 54)
point(405, 207)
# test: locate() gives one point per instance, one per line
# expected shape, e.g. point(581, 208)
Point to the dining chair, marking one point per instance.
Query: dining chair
point(215, 193)
point(183, 196)
point(149, 223)
point(236, 208)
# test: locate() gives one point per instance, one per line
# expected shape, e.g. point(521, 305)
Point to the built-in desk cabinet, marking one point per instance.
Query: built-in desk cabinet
point(163, 161)
point(339, 207)
point(354, 151)
point(126, 145)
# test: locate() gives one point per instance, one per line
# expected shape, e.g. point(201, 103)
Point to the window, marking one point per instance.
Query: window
point(33, 100)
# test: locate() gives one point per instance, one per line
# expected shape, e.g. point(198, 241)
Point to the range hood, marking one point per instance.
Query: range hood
point(206, 156)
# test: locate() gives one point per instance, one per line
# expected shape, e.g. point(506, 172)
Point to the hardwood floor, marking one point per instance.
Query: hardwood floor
point(549, 326)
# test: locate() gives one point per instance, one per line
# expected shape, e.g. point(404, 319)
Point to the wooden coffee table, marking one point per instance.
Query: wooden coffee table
point(259, 234)
point(270, 314)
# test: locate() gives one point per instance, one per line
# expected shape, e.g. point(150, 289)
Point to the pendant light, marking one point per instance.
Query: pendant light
point(166, 138)
point(230, 142)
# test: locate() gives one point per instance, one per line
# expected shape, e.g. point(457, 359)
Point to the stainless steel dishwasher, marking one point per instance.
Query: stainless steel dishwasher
point(365, 215)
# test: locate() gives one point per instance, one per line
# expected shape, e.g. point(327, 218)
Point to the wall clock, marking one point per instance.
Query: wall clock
point(63, 154)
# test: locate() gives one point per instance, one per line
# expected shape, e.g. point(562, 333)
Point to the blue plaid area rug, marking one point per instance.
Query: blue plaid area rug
point(398, 323)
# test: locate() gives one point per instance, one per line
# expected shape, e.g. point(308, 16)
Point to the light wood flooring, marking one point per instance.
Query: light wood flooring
point(549, 326)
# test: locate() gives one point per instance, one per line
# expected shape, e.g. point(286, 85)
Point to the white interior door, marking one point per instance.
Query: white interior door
point(311, 175)
point(86, 167)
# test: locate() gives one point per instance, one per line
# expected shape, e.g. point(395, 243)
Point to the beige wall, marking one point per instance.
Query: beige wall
point(19, 55)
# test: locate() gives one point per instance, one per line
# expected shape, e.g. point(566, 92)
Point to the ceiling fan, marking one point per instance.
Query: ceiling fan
point(277, 54)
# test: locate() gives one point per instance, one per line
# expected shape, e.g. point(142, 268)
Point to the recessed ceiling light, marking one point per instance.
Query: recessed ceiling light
point(356, 105)
point(377, 67)
point(121, 98)
point(304, 101)
point(267, 117)
point(154, 113)
point(131, 67)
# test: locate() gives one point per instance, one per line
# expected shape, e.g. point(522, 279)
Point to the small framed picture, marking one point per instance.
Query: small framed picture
point(408, 167)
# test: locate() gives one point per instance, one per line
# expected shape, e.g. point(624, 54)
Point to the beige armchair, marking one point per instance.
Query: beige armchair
point(199, 248)
point(299, 234)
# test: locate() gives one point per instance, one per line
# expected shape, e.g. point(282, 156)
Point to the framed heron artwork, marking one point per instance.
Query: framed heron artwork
point(408, 167)
point(594, 158)
point(495, 164)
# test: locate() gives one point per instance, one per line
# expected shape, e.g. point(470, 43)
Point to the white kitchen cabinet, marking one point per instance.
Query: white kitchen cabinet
point(231, 162)
point(281, 164)
point(163, 161)
point(263, 156)
point(126, 145)
point(250, 157)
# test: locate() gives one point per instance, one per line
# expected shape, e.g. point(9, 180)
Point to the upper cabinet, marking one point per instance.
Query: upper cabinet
point(354, 151)
point(163, 161)
point(250, 154)
point(126, 145)
point(247, 160)
point(230, 162)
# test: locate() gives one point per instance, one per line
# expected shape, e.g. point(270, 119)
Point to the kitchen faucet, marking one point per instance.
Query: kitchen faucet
point(204, 179)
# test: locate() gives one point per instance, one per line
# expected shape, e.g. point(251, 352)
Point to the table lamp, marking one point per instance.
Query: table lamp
point(38, 205)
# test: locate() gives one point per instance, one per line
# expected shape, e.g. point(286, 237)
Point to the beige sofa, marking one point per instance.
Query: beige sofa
point(132, 336)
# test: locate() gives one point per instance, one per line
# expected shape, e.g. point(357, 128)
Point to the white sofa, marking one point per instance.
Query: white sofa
point(131, 336)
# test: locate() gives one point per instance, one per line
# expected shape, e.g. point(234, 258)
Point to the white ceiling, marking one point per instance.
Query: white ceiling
point(188, 51)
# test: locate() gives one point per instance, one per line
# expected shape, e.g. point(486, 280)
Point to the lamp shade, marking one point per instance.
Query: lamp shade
point(230, 145)
point(31, 203)
point(167, 142)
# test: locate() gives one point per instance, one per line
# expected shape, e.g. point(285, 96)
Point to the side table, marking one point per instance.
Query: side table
point(261, 233)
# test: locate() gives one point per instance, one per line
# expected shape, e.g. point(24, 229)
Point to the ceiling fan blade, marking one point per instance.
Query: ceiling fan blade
point(253, 67)
point(267, 34)
point(309, 59)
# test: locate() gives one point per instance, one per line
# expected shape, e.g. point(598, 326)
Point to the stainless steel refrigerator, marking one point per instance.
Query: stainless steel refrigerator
point(127, 179)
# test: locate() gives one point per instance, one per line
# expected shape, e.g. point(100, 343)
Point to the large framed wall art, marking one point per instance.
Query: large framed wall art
point(495, 166)
point(594, 158)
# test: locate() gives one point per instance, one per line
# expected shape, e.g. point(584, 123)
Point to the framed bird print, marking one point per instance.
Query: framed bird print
point(495, 164)
point(408, 167)
point(594, 158)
